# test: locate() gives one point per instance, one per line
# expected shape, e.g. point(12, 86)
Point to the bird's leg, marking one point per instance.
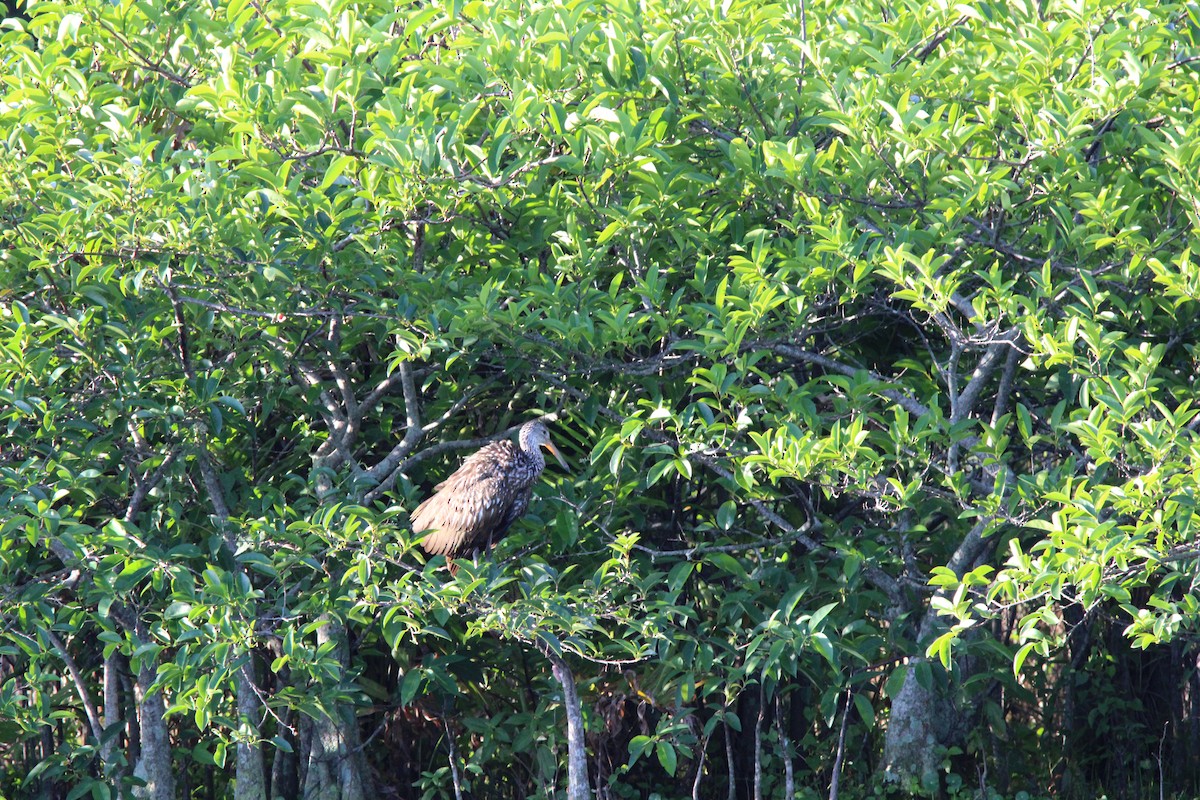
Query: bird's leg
point(482, 551)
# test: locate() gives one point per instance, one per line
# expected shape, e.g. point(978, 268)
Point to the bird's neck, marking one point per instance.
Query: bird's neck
point(532, 451)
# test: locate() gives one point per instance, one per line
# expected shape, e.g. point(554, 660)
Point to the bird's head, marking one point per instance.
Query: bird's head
point(534, 434)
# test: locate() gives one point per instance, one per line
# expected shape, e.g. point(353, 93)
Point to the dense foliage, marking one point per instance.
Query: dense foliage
point(869, 331)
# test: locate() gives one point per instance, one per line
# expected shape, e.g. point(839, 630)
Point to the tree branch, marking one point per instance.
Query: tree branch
point(970, 547)
point(280, 316)
point(785, 747)
point(909, 404)
point(836, 777)
point(437, 449)
point(577, 776)
point(216, 494)
point(332, 414)
point(89, 706)
point(375, 395)
point(1004, 392)
point(453, 759)
point(393, 463)
point(983, 371)
point(886, 583)
point(153, 66)
point(701, 753)
point(185, 350)
point(350, 413)
point(144, 486)
point(929, 43)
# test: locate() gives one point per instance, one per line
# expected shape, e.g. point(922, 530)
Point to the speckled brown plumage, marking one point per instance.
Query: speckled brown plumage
point(474, 507)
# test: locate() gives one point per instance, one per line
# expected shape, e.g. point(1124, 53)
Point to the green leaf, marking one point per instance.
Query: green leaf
point(679, 575)
point(866, 711)
point(638, 746)
point(177, 610)
point(409, 686)
point(726, 515)
point(666, 756)
point(1019, 658)
point(201, 755)
point(941, 647)
point(726, 563)
point(82, 788)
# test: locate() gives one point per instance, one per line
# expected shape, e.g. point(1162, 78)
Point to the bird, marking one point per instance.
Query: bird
point(474, 508)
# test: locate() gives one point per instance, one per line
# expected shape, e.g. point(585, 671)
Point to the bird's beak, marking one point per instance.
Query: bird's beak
point(550, 446)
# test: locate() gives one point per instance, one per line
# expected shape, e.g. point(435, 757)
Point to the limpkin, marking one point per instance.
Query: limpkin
point(474, 507)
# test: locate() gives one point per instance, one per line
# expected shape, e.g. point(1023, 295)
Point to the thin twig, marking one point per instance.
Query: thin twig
point(453, 760)
point(835, 779)
point(700, 766)
point(156, 67)
point(731, 794)
point(690, 553)
point(280, 316)
point(758, 726)
point(789, 774)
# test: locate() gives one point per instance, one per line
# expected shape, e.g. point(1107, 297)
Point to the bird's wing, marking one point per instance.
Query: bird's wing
point(487, 460)
point(469, 504)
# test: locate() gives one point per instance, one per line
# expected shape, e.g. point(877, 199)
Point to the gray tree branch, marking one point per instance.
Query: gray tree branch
point(146, 484)
point(577, 775)
point(971, 393)
point(906, 402)
point(1005, 390)
point(89, 706)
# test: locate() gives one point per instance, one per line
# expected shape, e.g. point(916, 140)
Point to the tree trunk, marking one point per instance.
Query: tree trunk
point(924, 721)
point(49, 787)
point(154, 759)
point(251, 777)
point(577, 774)
point(335, 765)
point(929, 716)
point(333, 772)
point(746, 740)
point(285, 775)
point(112, 719)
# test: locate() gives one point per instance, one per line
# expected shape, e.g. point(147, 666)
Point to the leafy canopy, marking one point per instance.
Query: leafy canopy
point(831, 302)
